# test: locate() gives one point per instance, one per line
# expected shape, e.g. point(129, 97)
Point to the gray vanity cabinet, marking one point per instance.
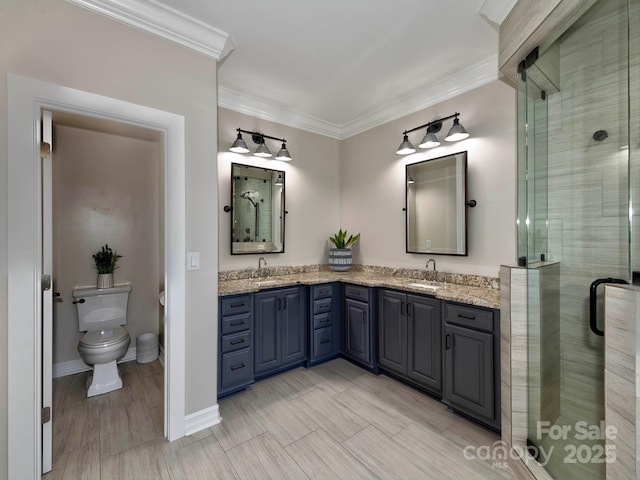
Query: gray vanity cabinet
point(235, 369)
point(410, 338)
point(359, 332)
point(472, 362)
point(324, 322)
point(280, 334)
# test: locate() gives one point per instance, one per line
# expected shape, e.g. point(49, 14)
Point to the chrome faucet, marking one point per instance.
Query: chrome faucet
point(260, 260)
point(431, 260)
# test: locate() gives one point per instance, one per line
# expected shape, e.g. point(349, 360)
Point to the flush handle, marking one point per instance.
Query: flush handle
point(82, 300)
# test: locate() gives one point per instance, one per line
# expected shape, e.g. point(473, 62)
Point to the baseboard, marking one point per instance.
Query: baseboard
point(161, 355)
point(72, 367)
point(198, 421)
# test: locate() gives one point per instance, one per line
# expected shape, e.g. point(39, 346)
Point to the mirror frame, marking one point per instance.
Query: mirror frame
point(283, 211)
point(460, 208)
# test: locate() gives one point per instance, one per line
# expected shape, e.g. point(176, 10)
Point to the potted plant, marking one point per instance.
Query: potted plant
point(340, 259)
point(105, 263)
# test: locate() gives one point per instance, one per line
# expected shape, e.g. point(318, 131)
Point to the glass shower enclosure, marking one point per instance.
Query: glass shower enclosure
point(578, 183)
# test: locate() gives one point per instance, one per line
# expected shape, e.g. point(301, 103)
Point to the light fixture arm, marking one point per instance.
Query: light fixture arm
point(433, 122)
point(256, 136)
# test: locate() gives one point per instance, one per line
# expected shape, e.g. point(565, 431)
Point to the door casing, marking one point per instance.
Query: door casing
point(26, 98)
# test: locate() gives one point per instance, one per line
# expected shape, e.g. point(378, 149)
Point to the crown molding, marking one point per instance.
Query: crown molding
point(242, 103)
point(496, 11)
point(158, 19)
point(473, 77)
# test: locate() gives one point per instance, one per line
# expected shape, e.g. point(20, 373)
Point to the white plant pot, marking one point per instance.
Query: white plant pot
point(340, 259)
point(105, 280)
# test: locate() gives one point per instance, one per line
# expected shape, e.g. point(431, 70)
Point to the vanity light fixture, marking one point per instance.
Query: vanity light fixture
point(284, 154)
point(406, 147)
point(430, 140)
point(279, 181)
point(409, 179)
point(262, 150)
point(239, 146)
point(457, 132)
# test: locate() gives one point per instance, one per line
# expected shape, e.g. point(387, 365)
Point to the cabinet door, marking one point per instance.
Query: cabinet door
point(267, 332)
point(294, 332)
point(469, 382)
point(424, 363)
point(357, 341)
point(392, 333)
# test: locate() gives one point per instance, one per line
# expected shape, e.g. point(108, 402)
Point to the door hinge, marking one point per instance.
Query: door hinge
point(45, 282)
point(45, 415)
point(45, 149)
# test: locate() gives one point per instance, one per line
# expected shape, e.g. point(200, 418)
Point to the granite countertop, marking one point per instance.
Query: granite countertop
point(471, 295)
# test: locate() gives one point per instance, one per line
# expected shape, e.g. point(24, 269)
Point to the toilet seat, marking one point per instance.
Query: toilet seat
point(104, 338)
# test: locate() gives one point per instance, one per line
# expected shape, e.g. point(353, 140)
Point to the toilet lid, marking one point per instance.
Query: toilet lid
point(104, 338)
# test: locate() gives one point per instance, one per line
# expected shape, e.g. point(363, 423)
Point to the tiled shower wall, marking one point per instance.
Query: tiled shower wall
point(244, 230)
point(588, 194)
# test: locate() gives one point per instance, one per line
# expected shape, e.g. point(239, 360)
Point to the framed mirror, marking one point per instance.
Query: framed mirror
point(257, 210)
point(436, 205)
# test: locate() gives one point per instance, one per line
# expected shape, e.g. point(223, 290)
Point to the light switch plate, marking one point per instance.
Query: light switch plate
point(193, 261)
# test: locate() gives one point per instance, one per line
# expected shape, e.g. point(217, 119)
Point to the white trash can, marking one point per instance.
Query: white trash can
point(146, 348)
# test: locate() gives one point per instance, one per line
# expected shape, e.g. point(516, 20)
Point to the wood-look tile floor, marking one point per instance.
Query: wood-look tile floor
point(332, 421)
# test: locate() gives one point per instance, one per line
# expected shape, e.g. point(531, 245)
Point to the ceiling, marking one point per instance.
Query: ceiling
point(342, 66)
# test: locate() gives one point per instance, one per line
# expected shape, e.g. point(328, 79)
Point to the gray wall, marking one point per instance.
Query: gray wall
point(312, 191)
point(358, 184)
point(373, 176)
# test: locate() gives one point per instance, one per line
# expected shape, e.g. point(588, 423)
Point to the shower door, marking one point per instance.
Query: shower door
point(576, 176)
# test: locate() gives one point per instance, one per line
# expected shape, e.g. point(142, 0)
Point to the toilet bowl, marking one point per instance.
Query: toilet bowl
point(102, 350)
point(101, 312)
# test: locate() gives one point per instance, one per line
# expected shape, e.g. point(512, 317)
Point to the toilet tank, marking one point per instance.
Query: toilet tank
point(101, 308)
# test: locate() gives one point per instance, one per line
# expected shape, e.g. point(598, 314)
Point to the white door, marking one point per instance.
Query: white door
point(47, 290)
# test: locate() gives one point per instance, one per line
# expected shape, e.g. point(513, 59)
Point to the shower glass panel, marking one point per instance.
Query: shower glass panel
point(578, 140)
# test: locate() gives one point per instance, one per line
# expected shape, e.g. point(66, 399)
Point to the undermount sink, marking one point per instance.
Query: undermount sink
point(426, 286)
point(264, 282)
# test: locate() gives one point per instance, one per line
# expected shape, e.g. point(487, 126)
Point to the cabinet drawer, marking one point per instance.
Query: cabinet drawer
point(234, 305)
point(237, 367)
point(322, 306)
point(322, 320)
point(236, 323)
point(236, 341)
point(356, 292)
point(469, 317)
point(322, 291)
point(322, 342)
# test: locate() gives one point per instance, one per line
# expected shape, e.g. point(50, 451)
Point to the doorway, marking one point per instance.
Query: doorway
point(107, 189)
point(27, 97)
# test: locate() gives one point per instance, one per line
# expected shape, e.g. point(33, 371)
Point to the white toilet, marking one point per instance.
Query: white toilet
point(101, 312)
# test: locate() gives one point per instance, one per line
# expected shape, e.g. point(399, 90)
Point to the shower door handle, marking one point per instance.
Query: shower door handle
point(593, 302)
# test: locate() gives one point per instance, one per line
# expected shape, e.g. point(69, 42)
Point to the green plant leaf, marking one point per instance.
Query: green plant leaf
point(106, 259)
point(340, 239)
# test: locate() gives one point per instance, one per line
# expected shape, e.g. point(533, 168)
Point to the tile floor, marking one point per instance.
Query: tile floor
point(332, 421)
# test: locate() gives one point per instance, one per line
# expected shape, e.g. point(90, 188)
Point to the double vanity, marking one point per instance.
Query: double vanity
point(440, 335)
